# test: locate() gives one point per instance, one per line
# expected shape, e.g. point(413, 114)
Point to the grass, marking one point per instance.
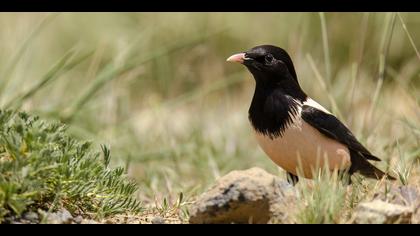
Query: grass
point(44, 168)
point(316, 207)
point(156, 88)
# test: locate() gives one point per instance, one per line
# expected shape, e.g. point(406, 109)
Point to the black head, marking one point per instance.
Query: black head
point(277, 93)
point(267, 63)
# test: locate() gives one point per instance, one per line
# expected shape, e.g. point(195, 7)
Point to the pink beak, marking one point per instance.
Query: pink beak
point(239, 57)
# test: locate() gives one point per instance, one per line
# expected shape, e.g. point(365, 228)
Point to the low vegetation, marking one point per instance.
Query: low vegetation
point(42, 167)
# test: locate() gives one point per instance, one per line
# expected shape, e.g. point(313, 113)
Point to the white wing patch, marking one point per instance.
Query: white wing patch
point(313, 103)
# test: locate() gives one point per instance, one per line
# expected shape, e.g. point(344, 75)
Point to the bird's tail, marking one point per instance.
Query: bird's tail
point(365, 168)
point(372, 172)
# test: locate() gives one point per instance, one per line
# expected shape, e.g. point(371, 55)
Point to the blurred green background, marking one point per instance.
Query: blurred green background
point(156, 88)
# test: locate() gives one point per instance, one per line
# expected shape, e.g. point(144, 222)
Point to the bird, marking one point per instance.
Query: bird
point(295, 131)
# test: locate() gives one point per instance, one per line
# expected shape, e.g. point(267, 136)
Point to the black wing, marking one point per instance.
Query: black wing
point(330, 126)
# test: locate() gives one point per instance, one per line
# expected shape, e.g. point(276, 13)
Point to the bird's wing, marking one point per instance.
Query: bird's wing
point(330, 126)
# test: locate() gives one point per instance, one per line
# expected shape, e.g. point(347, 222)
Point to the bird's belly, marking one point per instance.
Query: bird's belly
point(302, 149)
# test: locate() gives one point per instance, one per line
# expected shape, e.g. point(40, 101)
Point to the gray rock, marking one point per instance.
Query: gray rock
point(17, 223)
point(31, 216)
point(158, 220)
point(401, 195)
point(249, 196)
point(416, 217)
point(60, 217)
point(89, 221)
point(66, 217)
point(10, 220)
point(78, 219)
point(380, 212)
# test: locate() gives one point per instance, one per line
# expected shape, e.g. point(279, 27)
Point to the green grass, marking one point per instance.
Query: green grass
point(157, 89)
point(323, 201)
point(41, 167)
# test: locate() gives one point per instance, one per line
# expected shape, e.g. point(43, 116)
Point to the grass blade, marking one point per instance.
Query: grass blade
point(385, 45)
point(408, 35)
point(5, 76)
point(63, 65)
point(325, 46)
point(324, 86)
point(111, 72)
point(356, 68)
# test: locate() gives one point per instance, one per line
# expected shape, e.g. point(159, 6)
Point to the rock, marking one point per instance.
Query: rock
point(31, 216)
point(401, 195)
point(89, 221)
point(10, 220)
point(60, 217)
point(17, 223)
point(158, 220)
point(380, 212)
point(78, 219)
point(249, 196)
point(405, 196)
point(416, 217)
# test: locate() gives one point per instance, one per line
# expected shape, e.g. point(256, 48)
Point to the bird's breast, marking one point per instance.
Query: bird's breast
point(301, 149)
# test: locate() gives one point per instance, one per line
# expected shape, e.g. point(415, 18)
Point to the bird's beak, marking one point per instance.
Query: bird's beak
point(239, 57)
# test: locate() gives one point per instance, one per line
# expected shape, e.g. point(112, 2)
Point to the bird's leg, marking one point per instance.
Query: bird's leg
point(348, 180)
point(346, 176)
point(292, 179)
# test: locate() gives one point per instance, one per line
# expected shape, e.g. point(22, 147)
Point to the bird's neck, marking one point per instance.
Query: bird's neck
point(273, 107)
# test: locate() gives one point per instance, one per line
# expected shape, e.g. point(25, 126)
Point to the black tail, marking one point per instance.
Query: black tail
point(360, 164)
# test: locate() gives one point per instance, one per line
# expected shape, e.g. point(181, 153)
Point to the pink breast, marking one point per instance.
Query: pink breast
point(303, 147)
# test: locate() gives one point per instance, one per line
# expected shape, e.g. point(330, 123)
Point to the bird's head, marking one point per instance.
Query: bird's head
point(268, 64)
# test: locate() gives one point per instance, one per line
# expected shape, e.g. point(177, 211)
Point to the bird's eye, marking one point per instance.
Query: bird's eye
point(260, 59)
point(269, 58)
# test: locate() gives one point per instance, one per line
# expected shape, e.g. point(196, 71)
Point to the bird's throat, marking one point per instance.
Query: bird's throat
point(273, 108)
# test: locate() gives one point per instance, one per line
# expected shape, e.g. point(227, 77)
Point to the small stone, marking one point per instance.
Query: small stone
point(60, 217)
point(16, 223)
point(400, 195)
point(416, 217)
point(109, 221)
point(25, 221)
point(380, 212)
point(158, 220)
point(31, 216)
point(89, 221)
point(78, 219)
point(10, 219)
point(63, 217)
point(249, 196)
